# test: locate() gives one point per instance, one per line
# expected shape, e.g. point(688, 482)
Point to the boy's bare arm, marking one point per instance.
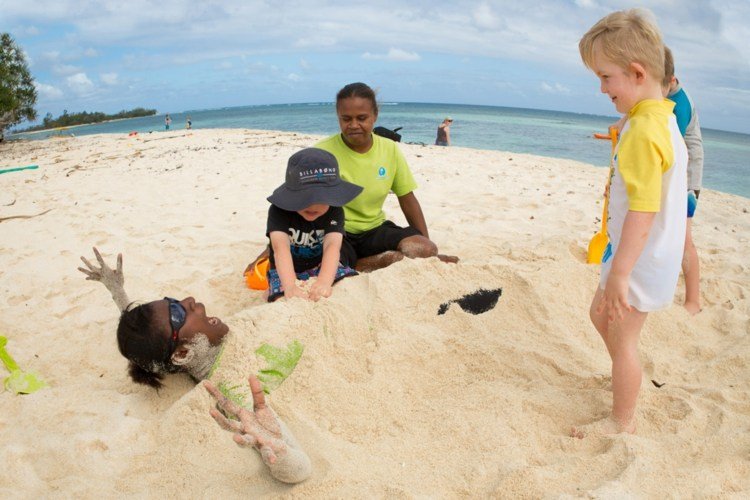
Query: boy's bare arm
point(328, 266)
point(284, 266)
point(635, 231)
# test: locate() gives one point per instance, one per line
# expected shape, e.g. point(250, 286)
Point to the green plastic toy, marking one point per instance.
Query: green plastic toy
point(19, 381)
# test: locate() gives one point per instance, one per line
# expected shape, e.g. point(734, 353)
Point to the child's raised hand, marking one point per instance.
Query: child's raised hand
point(615, 298)
point(113, 279)
point(320, 290)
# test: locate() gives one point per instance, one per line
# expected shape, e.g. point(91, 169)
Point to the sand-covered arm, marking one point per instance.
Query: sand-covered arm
point(263, 430)
point(113, 279)
point(294, 466)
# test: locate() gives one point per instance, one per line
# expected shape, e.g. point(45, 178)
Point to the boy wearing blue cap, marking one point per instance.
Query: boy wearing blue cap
point(306, 226)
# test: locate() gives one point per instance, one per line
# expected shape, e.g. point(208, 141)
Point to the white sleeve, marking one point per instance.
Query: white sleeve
point(694, 143)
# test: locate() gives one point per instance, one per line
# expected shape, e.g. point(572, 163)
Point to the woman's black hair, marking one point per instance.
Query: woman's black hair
point(358, 89)
point(144, 344)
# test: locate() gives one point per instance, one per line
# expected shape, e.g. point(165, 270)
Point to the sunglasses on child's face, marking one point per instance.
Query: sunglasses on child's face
point(177, 317)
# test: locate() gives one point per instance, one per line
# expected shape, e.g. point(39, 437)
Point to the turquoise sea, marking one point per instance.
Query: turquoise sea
point(539, 132)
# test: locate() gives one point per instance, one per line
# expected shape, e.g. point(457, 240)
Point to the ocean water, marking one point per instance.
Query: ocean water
point(539, 132)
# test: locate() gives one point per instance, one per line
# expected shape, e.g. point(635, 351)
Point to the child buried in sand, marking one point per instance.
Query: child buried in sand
point(647, 200)
point(306, 226)
point(172, 336)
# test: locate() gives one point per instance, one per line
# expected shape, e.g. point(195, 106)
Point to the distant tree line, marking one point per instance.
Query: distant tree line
point(69, 119)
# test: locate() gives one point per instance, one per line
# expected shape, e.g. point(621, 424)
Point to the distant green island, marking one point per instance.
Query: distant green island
point(85, 118)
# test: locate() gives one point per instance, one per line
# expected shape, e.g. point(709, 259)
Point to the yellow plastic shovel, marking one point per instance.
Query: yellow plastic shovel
point(599, 241)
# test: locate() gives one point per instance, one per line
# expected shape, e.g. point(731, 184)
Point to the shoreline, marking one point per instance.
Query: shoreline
point(10, 137)
point(600, 164)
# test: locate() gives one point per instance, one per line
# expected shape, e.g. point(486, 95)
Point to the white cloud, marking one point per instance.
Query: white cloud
point(109, 78)
point(393, 55)
point(304, 64)
point(52, 55)
point(65, 69)
point(79, 83)
point(316, 41)
point(90, 52)
point(484, 17)
point(25, 30)
point(48, 92)
point(294, 77)
point(257, 68)
point(555, 88)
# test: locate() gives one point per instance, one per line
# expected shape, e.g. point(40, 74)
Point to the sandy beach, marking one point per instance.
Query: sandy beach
point(390, 399)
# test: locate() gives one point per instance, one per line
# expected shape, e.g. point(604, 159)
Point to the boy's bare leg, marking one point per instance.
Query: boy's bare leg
point(600, 320)
point(626, 367)
point(621, 338)
point(691, 271)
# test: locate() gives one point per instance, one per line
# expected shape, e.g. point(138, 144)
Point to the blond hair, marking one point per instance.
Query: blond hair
point(668, 67)
point(625, 37)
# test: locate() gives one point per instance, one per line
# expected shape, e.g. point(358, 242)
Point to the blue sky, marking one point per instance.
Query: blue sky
point(177, 55)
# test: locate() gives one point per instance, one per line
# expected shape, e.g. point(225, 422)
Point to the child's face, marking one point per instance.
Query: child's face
point(620, 85)
point(313, 212)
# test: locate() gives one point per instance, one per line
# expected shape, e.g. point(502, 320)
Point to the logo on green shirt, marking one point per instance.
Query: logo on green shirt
point(381, 173)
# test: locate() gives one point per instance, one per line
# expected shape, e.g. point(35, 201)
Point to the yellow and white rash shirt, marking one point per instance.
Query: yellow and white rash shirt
point(649, 174)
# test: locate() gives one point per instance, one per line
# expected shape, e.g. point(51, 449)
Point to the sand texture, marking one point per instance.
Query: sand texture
point(390, 399)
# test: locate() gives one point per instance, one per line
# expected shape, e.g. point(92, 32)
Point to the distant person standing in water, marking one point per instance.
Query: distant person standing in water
point(189, 123)
point(444, 132)
point(167, 122)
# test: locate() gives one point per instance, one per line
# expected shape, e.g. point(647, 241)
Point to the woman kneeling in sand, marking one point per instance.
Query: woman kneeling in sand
point(171, 336)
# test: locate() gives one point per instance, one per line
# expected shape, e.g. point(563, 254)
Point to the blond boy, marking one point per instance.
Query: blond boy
point(647, 199)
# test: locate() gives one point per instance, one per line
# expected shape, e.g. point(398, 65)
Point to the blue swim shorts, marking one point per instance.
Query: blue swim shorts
point(274, 282)
point(692, 204)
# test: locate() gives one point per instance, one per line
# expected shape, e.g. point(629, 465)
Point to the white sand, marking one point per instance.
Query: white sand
point(389, 399)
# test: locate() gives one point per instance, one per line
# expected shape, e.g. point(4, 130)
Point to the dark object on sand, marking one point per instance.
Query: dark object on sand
point(388, 134)
point(477, 302)
point(657, 384)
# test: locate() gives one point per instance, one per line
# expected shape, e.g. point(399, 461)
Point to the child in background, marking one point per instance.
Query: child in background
point(687, 120)
point(647, 199)
point(306, 226)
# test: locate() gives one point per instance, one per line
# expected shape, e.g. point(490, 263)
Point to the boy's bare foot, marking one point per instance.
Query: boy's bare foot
point(604, 427)
point(692, 307)
point(451, 259)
